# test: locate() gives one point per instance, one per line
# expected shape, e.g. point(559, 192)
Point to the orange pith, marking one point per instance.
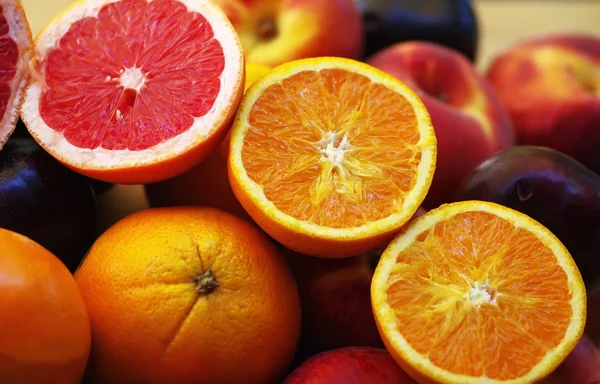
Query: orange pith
point(479, 295)
point(327, 158)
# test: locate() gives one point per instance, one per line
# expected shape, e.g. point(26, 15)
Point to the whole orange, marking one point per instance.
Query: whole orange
point(188, 295)
point(44, 326)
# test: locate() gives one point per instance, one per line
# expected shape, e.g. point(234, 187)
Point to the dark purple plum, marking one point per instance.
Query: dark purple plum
point(452, 23)
point(553, 189)
point(98, 186)
point(45, 201)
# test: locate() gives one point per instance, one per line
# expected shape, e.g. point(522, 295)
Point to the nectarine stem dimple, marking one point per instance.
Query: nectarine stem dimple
point(206, 282)
point(267, 28)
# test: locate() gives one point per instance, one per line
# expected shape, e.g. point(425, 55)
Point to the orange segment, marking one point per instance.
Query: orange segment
point(475, 292)
point(331, 151)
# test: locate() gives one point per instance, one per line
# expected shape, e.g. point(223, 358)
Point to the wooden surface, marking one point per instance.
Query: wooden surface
point(502, 23)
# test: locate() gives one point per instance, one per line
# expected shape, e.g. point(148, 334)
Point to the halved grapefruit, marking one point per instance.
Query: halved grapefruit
point(15, 51)
point(134, 91)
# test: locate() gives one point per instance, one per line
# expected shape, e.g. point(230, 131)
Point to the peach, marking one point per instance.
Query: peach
point(273, 32)
point(470, 122)
point(336, 301)
point(551, 88)
point(350, 365)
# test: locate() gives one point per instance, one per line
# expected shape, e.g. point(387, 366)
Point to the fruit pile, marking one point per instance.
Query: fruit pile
point(338, 196)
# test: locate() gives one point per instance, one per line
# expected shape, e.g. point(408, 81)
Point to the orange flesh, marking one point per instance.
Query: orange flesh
point(332, 148)
point(523, 309)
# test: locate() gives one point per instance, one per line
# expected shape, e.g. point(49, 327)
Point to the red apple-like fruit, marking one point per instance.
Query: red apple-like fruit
point(351, 365)
point(551, 88)
point(592, 324)
point(582, 366)
point(273, 32)
point(470, 122)
point(336, 300)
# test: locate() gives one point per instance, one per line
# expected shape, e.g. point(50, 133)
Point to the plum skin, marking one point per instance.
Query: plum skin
point(45, 201)
point(552, 188)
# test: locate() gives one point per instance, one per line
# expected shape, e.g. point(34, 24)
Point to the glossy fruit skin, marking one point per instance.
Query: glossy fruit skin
point(351, 365)
point(98, 186)
point(44, 325)
point(188, 295)
point(452, 23)
point(552, 188)
point(45, 201)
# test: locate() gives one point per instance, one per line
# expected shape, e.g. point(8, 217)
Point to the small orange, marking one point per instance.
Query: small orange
point(188, 295)
point(474, 292)
point(44, 326)
point(331, 156)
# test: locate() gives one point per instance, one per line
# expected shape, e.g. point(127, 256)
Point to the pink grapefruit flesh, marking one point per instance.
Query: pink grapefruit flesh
point(134, 76)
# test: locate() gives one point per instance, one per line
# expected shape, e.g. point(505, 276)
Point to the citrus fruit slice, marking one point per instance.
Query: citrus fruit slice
point(133, 91)
point(474, 292)
point(331, 156)
point(188, 295)
point(15, 48)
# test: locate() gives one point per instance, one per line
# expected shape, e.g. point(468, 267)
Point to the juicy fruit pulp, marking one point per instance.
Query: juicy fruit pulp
point(479, 290)
point(130, 57)
point(552, 188)
point(8, 62)
point(477, 298)
point(335, 167)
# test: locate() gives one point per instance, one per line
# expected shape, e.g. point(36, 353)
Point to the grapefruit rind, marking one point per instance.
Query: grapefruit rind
point(20, 33)
point(254, 192)
point(418, 365)
point(99, 158)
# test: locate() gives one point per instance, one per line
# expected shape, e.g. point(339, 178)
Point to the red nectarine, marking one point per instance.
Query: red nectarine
point(273, 32)
point(336, 301)
point(551, 87)
point(469, 119)
point(352, 365)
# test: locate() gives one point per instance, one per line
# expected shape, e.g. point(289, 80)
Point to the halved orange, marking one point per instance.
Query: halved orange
point(15, 48)
point(331, 156)
point(474, 292)
point(134, 91)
